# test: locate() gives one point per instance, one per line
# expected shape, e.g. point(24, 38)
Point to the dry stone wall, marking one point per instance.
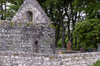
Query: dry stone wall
point(23, 36)
point(9, 58)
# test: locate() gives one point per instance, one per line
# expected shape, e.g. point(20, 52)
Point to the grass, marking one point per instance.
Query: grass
point(97, 63)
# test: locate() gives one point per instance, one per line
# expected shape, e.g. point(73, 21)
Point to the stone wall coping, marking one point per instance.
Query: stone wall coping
point(29, 53)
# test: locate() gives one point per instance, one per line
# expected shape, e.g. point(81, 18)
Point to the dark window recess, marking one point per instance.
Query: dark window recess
point(29, 16)
point(36, 46)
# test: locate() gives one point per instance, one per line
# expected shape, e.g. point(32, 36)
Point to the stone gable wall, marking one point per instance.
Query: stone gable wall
point(39, 16)
point(19, 36)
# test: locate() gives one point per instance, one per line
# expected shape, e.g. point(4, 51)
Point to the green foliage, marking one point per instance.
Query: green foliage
point(14, 7)
point(52, 26)
point(0, 22)
point(10, 10)
point(97, 63)
point(27, 24)
point(20, 24)
point(90, 7)
point(53, 2)
point(60, 42)
point(49, 20)
point(88, 32)
point(12, 23)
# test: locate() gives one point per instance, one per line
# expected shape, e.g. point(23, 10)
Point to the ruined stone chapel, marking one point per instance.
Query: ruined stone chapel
point(28, 31)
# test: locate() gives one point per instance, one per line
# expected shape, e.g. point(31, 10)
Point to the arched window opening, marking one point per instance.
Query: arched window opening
point(36, 42)
point(36, 46)
point(29, 16)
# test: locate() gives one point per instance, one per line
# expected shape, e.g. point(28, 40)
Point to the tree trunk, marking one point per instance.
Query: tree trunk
point(73, 16)
point(72, 23)
point(2, 11)
point(79, 46)
point(63, 36)
point(63, 30)
point(68, 23)
point(57, 35)
point(5, 10)
point(75, 43)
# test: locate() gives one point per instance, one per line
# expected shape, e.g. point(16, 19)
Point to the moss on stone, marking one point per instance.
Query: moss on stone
point(12, 23)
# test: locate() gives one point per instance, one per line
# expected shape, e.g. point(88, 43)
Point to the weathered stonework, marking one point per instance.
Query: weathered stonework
point(26, 37)
point(30, 59)
point(29, 30)
point(38, 15)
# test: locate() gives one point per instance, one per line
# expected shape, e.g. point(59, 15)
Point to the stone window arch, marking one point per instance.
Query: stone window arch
point(36, 46)
point(29, 15)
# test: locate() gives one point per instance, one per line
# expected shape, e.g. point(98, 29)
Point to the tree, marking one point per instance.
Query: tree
point(2, 11)
point(88, 32)
point(7, 14)
point(89, 7)
point(54, 9)
point(58, 10)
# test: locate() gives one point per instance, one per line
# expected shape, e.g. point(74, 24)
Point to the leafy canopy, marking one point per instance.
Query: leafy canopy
point(88, 31)
point(90, 7)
